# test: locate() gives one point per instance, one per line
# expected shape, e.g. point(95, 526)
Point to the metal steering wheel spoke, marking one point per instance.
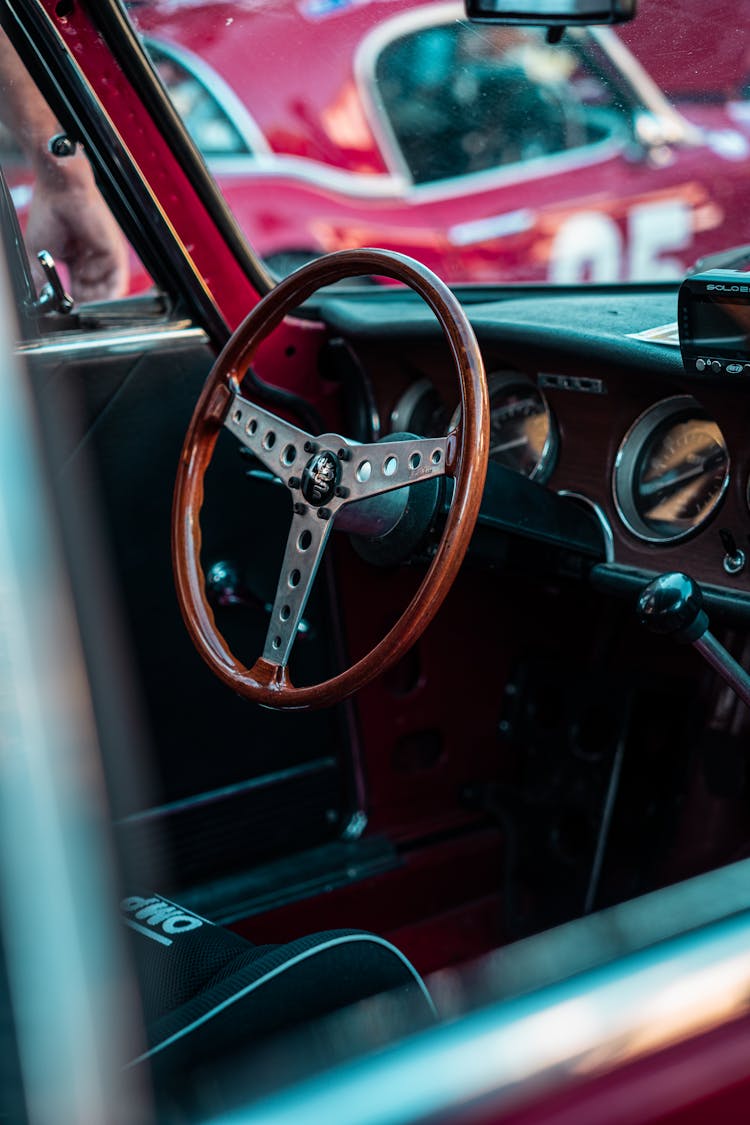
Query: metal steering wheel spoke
point(330, 480)
point(281, 447)
point(379, 467)
point(304, 550)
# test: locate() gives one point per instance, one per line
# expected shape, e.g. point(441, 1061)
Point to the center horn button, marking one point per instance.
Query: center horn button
point(320, 478)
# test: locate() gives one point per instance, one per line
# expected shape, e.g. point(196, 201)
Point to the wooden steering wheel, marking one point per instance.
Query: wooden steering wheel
point(325, 474)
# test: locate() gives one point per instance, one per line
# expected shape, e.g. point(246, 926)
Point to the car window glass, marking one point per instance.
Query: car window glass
point(487, 153)
point(208, 124)
point(461, 99)
point(58, 205)
point(15, 167)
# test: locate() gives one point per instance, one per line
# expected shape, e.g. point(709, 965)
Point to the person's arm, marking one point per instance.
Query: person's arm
point(67, 215)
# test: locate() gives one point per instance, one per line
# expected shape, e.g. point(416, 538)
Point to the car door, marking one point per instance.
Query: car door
point(117, 381)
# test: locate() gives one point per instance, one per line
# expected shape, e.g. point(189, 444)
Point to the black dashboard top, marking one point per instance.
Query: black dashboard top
point(582, 326)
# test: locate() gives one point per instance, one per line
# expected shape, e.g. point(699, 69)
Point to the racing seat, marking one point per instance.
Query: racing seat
point(207, 991)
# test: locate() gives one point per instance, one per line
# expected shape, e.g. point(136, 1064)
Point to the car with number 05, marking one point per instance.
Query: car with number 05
point(489, 155)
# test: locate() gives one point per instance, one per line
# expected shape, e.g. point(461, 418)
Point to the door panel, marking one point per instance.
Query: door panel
point(231, 784)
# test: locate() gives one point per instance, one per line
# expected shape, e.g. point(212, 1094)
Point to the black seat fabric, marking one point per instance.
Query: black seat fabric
point(206, 990)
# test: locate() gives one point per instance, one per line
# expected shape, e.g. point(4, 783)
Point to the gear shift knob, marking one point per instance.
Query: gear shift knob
point(673, 605)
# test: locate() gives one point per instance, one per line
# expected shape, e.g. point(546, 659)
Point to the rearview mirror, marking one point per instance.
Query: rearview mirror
point(551, 13)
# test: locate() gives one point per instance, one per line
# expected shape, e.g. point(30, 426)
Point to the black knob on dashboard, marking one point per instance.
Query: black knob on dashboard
point(673, 604)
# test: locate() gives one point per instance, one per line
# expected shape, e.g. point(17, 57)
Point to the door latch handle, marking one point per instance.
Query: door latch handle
point(53, 297)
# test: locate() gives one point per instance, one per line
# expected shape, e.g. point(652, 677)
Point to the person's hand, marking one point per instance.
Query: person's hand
point(68, 217)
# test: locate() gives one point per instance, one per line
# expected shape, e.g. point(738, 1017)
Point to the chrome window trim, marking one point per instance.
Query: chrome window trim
point(365, 61)
point(555, 163)
point(379, 185)
point(402, 189)
point(217, 88)
point(678, 130)
point(101, 342)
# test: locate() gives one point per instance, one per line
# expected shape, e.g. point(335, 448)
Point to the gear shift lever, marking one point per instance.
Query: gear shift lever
point(673, 605)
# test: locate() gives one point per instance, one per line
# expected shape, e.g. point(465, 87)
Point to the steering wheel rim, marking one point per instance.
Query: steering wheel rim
point(466, 455)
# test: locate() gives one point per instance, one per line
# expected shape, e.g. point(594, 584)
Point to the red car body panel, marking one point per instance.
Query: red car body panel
point(675, 57)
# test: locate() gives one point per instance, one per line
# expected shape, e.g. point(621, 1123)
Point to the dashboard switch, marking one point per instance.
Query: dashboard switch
point(734, 557)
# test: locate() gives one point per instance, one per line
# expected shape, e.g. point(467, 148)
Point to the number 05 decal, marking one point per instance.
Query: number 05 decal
point(591, 246)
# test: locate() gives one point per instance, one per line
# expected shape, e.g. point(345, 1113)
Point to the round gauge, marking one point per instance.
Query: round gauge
point(420, 410)
point(671, 471)
point(523, 435)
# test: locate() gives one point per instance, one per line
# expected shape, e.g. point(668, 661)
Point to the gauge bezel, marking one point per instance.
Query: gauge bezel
point(680, 408)
point(403, 411)
point(499, 380)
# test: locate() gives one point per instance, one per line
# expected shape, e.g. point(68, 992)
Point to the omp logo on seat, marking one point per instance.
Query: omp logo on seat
point(163, 919)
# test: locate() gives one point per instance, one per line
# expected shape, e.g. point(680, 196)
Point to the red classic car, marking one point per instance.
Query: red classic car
point(488, 156)
point(349, 772)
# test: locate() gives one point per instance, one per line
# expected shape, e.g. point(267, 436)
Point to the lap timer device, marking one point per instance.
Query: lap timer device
point(713, 317)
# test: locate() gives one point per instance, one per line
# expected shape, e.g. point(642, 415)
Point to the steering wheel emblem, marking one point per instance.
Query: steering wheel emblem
point(320, 477)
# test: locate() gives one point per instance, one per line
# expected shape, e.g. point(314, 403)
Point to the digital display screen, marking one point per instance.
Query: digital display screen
point(721, 328)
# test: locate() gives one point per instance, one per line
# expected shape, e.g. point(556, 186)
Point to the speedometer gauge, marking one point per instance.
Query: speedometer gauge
point(671, 471)
point(523, 435)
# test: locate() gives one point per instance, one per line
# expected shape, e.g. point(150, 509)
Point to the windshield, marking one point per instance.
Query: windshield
point(483, 151)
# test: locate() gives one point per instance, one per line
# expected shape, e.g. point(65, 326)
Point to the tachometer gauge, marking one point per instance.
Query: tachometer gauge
point(671, 471)
point(523, 435)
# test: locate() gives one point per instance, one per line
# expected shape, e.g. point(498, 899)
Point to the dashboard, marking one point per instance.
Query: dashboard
point(584, 407)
